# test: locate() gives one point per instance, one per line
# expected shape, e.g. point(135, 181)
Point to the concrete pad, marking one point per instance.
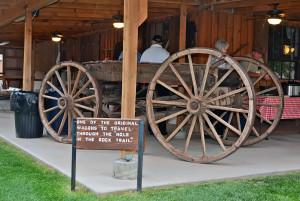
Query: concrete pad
point(281, 153)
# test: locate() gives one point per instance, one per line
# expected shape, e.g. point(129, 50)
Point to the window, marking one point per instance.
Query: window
point(284, 51)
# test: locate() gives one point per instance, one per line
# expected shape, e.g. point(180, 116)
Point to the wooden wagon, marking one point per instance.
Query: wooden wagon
point(215, 107)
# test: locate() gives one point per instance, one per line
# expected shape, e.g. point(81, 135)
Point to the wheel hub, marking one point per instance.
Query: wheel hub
point(194, 106)
point(65, 102)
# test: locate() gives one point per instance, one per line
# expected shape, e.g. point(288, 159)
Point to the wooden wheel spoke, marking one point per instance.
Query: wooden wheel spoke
point(62, 123)
point(181, 80)
point(227, 94)
point(76, 82)
point(74, 114)
point(193, 75)
point(223, 122)
point(219, 82)
point(172, 89)
point(259, 78)
point(255, 132)
point(171, 116)
point(218, 63)
point(253, 128)
point(179, 127)
point(50, 109)
point(78, 112)
point(50, 97)
point(267, 104)
point(260, 116)
point(238, 120)
point(201, 127)
point(265, 91)
point(61, 82)
point(226, 129)
point(263, 118)
point(82, 89)
point(85, 98)
point(85, 107)
point(222, 115)
point(69, 79)
point(55, 88)
point(56, 116)
point(226, 108)
point(188, 139)
point(175, 103)
point(214, 132)
point(70, 118)
point(205, 76)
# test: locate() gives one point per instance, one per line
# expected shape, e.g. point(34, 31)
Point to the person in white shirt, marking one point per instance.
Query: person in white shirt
point(155, 53)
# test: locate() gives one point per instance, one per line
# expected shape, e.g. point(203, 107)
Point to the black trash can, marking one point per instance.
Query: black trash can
point(28, 123)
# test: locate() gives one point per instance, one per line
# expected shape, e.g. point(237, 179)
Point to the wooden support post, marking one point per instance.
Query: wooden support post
point(135, 12)
point(182, 30)
point(182, 42)
point(27, 68)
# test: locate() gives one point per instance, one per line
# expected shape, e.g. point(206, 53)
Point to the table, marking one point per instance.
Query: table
point(291, 109)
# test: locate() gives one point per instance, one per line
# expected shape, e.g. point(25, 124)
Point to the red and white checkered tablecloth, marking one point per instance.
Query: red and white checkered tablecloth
point(291, 109)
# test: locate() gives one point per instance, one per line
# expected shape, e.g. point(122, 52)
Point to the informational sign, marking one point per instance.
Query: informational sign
point(107, 134)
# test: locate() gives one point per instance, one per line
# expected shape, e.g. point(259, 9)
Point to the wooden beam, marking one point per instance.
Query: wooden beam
point(182, 30)
point(133, 17)
point(9, 15)
point(246, 3)
point(27, 67)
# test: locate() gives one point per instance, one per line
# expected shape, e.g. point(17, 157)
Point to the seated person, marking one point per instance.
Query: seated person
point(138, 57)
point(155, 53)
point(252, 69)
point(222, 46)
point(138, 54)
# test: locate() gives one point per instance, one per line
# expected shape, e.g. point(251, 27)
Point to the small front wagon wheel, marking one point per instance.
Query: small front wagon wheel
point(68, 91)
point(209, 97)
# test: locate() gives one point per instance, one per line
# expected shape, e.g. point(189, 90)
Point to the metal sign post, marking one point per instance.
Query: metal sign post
point(73, 168)
point(108, 134)
point(140, 156)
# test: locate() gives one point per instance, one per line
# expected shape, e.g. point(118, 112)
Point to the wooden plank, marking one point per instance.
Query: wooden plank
point(229, 36)
point(250, 36)
point(182, 29)
point(9, 15)
point(27, 70)
point(222, 29)
point(244, 35)
point(214, 28)
point(207, 28)
point(237, 19)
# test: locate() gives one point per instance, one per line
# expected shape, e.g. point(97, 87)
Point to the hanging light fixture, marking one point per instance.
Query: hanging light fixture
point(56, 36)
point(275, 16)
point(274, 20)
point(118, 21)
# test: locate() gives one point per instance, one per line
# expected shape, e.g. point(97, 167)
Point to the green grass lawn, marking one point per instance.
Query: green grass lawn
point(23, 178)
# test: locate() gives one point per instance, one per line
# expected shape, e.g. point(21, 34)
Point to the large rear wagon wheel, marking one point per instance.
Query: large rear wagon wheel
point(68, 91)
point(200, 104)
point(263, 127)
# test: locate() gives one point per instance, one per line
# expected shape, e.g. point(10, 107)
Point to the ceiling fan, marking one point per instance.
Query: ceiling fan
point(275, 16)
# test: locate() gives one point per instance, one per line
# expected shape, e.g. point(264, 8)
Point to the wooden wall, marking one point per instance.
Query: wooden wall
point(237, 30)
point(93, 47)
point(13, 65)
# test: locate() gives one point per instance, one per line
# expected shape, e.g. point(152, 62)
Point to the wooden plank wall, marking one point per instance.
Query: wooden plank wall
point(235, 29)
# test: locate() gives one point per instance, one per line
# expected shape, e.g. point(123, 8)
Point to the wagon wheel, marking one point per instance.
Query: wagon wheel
point(200, 104)
point(68, 91)
point(263, 127)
